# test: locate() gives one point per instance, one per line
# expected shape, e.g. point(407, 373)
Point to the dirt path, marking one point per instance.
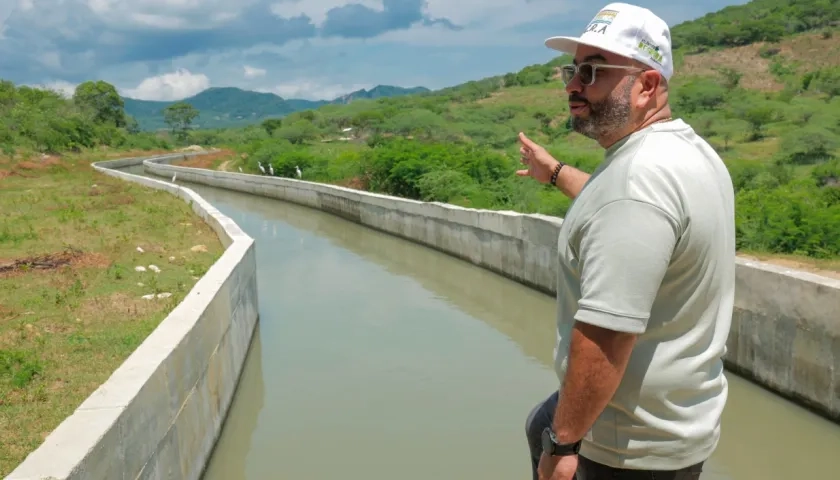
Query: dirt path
point(206, 160)
point(831, 269)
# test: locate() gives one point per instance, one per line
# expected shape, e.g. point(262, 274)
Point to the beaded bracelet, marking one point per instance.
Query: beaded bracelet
point(556, 172)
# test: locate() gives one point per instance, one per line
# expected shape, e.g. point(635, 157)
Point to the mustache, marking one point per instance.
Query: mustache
point(577, 98)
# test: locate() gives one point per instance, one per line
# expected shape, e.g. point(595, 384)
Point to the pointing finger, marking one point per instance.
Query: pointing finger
point(527, 141)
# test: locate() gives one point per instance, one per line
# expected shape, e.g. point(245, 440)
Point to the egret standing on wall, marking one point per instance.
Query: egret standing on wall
point(271, 169)
point(297, 171)
point(262, 169)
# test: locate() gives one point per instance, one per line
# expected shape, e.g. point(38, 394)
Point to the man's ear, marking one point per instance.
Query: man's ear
point(649, 82)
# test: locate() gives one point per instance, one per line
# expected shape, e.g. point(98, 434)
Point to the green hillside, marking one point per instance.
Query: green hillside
point(222, 107)
point(771, 108)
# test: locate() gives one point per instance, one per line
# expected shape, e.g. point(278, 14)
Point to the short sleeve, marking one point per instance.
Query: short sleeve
point(624, 252)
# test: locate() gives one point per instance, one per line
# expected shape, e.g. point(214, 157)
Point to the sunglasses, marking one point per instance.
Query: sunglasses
point(587, 71)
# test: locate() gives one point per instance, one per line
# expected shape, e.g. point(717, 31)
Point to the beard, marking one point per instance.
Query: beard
point(605, 117)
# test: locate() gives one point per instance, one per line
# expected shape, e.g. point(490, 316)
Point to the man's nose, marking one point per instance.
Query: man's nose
point(574, 86)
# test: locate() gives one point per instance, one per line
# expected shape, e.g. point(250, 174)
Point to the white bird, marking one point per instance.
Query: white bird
point(297, 171)
point(173, 177)
point(240, 169)
point(271, 169)
point(262, 169)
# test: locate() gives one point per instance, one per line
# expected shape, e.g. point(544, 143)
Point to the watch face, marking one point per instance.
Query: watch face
point(547, 444)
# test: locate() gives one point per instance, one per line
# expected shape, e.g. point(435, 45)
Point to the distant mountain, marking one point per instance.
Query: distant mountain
point(378, 92)
point(230, 106)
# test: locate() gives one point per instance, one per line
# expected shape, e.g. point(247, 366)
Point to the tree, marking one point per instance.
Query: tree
point(272, 124)
point(131, 125)
point(101, 100)
point(179, 117)
point(367, 119)
point(808, 145)
point(731, 77)
point(758, 116)
point(298, 132)
point(827, 81)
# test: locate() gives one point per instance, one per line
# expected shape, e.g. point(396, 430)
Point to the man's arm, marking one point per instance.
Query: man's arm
point(597, 359)
point(570, 180)
point(625, 249)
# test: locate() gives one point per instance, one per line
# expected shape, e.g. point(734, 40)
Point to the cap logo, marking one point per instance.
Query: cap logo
point(652, 50)
point(601, 21)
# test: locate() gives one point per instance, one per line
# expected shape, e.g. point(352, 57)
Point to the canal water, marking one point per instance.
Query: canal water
point(377, 358)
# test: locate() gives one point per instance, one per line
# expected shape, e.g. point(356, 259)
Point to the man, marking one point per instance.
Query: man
point(646, 269)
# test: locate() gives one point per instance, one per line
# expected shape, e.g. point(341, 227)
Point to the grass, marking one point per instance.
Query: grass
point(825, 267)
point(552, 96)
point(71, 306)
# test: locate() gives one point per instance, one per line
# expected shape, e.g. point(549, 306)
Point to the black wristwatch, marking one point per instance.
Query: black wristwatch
point(551, 447)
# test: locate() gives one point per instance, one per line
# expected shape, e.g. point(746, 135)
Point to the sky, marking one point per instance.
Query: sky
point(310, 49)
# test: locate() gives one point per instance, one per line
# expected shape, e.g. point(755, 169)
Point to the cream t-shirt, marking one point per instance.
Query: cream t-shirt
point(649, 247)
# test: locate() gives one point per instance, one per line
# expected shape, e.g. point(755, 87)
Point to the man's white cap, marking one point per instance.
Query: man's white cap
point(626, 30)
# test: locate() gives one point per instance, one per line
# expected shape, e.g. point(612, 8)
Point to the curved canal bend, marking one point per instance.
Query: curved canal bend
point(377, 358)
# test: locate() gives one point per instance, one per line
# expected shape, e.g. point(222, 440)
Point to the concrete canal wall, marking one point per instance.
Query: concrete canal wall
point(161, 411)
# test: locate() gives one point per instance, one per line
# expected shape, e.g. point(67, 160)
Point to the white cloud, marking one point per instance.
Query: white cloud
point(466, 12)
point(168, 14)
point(6, 10)
point(486, 23)
point(317, 9)
point(169, 86)
point(299, 47)
point(66, 89)
point(494, 14)
point(310, 89)
point(252, 72)
point(50, 59)
point(438, 35)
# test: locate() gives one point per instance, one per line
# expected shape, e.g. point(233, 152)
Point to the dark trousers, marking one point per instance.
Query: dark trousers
point(542, 416)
